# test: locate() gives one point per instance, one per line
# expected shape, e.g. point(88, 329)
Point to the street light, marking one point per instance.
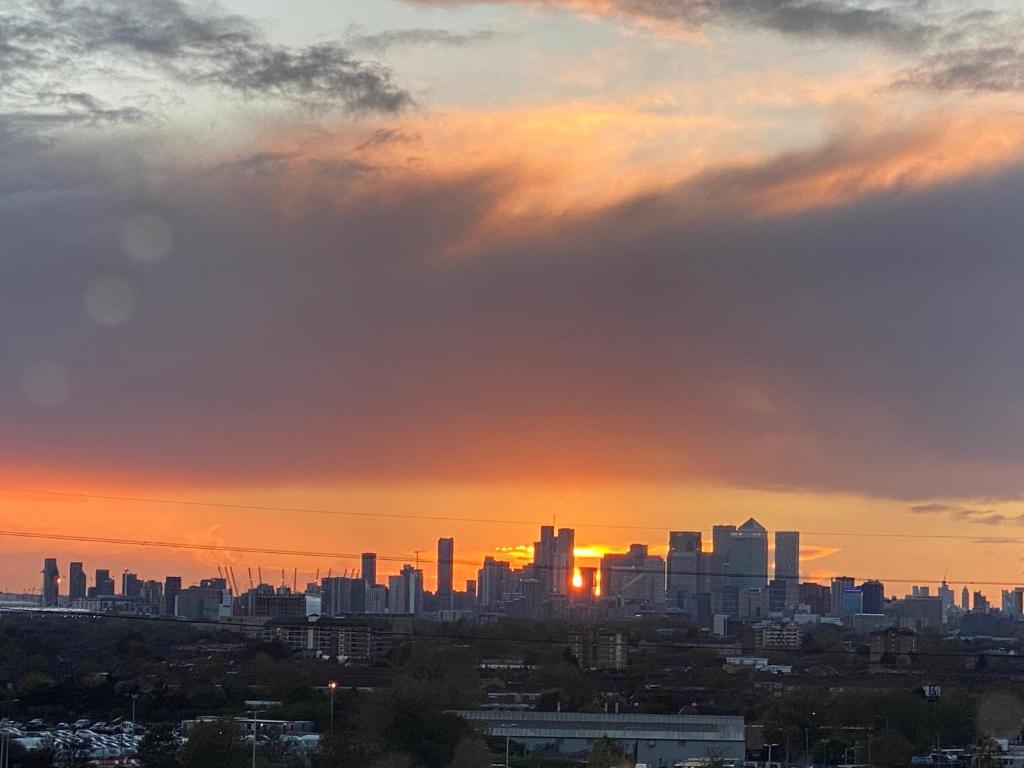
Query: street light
point(254, 712)
point(770, 753)
point(332, 685)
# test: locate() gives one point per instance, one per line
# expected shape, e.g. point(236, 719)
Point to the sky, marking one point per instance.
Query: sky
point(330, 277)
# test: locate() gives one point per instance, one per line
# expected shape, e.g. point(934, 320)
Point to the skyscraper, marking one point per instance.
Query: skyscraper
point(874, 596)
point(445, 565)
point(965, 600)
point(405, 591)
point(493, 581)
point(104, 585)
point(172, 588)
point(554, 560)
point(51, 583)
point(719, 561)
point(839, 585)
point(76, 582)
point(787, 564)
point(748, 568)
point(369, 568)
point(340, 595)
point(131, 585)
point(684, 570)
point(565, 561)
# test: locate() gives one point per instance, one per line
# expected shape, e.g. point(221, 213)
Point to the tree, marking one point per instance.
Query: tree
point(987, 756)
point(215, 744)
point(606, 753)
point(472, 752)
point(159, 747)
point(713, 758)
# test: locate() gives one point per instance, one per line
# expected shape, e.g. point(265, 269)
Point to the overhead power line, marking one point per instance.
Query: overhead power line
point(468, 520)
point(325, 555)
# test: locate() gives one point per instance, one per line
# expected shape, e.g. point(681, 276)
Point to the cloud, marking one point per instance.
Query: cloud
point(897, 23)
point(932, 508)
point(996, 69)
point(46, 44)
point(381, 41)
point(304, 326)
point(967, 514)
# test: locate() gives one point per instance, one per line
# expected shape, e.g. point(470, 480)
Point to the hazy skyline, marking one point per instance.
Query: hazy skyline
point(664, 264)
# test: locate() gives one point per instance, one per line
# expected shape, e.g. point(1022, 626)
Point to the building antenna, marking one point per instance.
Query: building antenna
point(417, 551)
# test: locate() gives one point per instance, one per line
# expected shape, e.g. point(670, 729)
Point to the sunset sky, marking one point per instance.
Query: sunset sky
point(624, 265)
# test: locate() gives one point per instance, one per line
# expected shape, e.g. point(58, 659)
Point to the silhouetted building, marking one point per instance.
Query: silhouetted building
point(685, 566)
point(980, 603)
point(817, 597)
point(172, 586)
point(635, 577)
point(104, 586)
point(874, 596)
point(852, 603)
point(596, 648)
point(405, 591)
point(965, 600)
point(209, 600)
point(76, 582)
point(554, 559)
point(787, 564)
point(340, 596)
point(153, 597)
point(839, 585)
point(51, 583)
point(494, 580)
point(131, 585)
point(893, 647)
point(369, 567)
point(445, 573)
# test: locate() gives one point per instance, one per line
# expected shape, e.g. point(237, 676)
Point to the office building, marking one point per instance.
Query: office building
point(341, 596)
point(980, 603)
point(50, 595)
point(874, 596)
point(787, 564)
point(405, 591)
point(172, 586)
point(131, 585)
point(445, 572)
point(852, 602)
point(209, 600)
point(494, 580)
point(839, 585)
point(104, 586)
point(685, 576)
point(369, 568)
point(965, 600)
point(76, 582)
point(152, 597)
point(719, 562)
point(919, 613)
point(554, 560)
point(817, 598)
point(947, 597)
point(635, 577)
point(747, 568)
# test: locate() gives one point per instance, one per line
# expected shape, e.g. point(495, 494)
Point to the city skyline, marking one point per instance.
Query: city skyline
point(593, 261)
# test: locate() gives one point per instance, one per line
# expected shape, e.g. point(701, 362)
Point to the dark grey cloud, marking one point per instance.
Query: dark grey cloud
point(899, 23)
point(208, 329)
point(968, 514)
point(381, 41)
point(998, 68)
point(931, 508)
point(44, 44)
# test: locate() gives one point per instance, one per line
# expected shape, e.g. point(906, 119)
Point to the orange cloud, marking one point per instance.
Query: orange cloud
point(539, 168)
